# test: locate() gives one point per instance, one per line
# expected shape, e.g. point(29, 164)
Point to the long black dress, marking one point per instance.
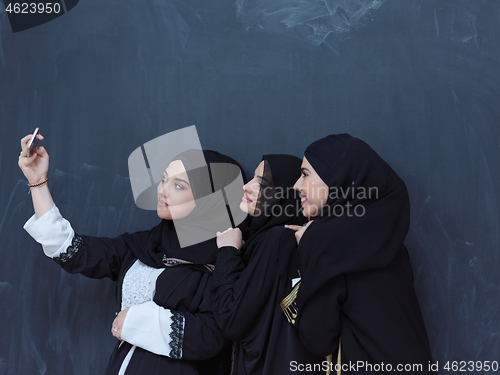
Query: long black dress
point(357, 281)
point(249, 284)
point(183, 287)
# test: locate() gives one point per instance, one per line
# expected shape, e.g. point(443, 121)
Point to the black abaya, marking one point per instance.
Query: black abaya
point(248, 287)
point(357, 281)
point(184, 289)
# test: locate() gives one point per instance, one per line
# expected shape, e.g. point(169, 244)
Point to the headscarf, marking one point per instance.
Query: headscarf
point(372, 236)
point(209, 216)
point(278, 203)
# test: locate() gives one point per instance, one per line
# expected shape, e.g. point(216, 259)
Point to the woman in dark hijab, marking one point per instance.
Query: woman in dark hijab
point(357, 281)
point(166, 323)
point(250, 280)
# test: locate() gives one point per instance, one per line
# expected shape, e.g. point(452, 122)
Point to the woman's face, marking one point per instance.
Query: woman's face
point(175, 197)
point(252, 189)
point(313, 190)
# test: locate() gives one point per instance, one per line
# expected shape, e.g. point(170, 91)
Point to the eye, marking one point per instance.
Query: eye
point(179, 187)
point(304, 174)
point(165, 179)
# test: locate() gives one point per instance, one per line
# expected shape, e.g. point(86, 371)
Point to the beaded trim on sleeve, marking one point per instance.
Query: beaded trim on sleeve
point(176, 335)
point(76, 244)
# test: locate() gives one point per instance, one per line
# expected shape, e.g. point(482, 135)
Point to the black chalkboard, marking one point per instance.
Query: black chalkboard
point(419, 80)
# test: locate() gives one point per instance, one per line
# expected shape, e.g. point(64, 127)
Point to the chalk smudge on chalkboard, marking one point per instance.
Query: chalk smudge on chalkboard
point(313, 20)
point(458, 22)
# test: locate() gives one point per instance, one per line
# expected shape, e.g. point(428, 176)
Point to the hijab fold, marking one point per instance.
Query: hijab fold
point(365, 220)
point(278, 203)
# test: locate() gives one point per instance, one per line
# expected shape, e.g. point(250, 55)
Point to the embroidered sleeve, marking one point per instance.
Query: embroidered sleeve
point(52, 231)
point(94, 257)
point(76, 244)
point(176, 335)
point(154, 328)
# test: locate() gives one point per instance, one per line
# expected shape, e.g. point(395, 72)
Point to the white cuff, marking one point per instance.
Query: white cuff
point(52, 231)
point(154, 329)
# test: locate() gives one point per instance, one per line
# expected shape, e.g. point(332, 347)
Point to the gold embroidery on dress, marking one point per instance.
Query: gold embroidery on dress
point(289, 306)
point(329, 360)
point(338, 360)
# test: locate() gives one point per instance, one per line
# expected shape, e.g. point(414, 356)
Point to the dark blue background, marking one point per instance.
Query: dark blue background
point(418, 80)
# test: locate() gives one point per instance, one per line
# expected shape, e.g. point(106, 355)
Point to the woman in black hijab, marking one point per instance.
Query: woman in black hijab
point(357, 281)
point(166, 323)
point(251, 280)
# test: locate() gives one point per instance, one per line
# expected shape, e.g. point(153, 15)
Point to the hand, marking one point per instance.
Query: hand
point(230, 237)
point(116, 328)
point(299, 230)
point(36, 166)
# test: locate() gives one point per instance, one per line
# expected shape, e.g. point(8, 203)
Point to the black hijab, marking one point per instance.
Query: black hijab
point(278, 203)
point(372, 236)
point(162, 241)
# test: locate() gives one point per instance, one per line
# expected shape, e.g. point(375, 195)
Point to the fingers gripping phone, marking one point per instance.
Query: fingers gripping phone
point(33, 143)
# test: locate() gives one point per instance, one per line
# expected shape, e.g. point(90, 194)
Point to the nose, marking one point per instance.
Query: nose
point(246, 187)
point(162, 189)
point(298, 184)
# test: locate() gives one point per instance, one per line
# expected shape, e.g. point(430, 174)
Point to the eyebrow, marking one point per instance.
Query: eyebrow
point(178, 179)
point(181, 180)
point(263, 179)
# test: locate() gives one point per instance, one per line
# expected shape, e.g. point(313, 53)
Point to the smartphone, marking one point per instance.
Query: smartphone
point(33, 142)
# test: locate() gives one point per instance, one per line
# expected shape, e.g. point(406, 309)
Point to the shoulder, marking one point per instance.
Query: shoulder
point(265, 243)
point(278, 234)
point(279, 237)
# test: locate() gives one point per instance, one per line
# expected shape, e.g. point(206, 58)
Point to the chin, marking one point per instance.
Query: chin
point(306, 211)
point(244, 207)
point(164, 214)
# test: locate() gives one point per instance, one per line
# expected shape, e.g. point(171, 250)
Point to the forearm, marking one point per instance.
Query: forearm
point(42, 200)
point(173, 334)
point(52, 231)
point(94, 257)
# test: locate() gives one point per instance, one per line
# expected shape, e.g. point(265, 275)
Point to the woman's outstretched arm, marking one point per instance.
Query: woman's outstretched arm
point(91, 256)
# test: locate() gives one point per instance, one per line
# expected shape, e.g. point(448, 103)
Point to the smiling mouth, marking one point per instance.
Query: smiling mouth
point(303, 200)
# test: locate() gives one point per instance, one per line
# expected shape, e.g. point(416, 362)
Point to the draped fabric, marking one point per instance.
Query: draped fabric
point(183, 289)
point(357, 281)
point(278, 203)
point(249, 284)
point(365, 220)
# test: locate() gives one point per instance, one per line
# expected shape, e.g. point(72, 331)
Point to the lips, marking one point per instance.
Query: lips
point(162, 203)
point(246, 199)
point(303, 199)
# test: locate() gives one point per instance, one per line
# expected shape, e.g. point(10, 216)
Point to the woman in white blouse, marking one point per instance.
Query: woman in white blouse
point(166, 324)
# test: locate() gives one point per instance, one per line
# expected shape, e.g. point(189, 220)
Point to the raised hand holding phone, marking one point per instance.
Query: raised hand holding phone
point(35, 162)
point(35, 168)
